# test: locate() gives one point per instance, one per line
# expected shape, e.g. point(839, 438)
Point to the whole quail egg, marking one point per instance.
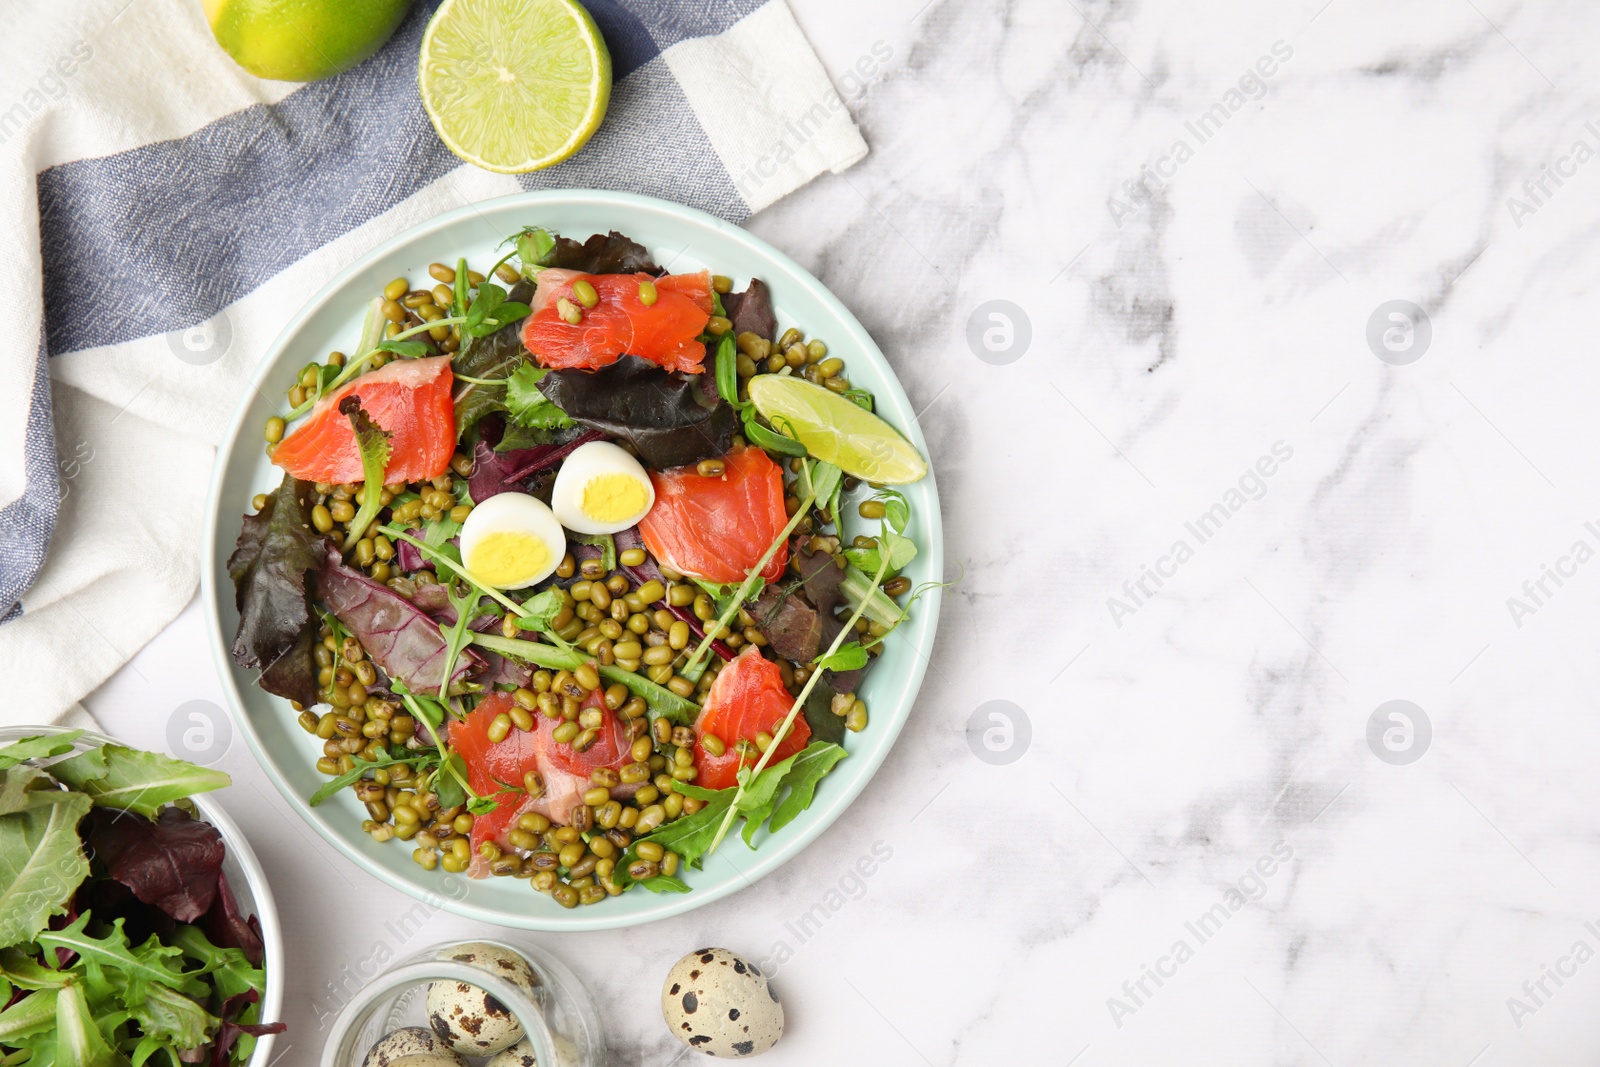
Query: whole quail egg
point(472, 1021)
point(718, 1004)
point(518, 1055)
point(414, 1046)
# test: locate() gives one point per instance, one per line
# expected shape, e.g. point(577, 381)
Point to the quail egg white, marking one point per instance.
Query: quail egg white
point(718, 1004)
point(512, 540)
point(600, 489)
point(413, 1046)
point(472, 1021)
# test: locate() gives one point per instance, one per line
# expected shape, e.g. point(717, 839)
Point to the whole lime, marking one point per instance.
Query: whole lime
point(302, 40)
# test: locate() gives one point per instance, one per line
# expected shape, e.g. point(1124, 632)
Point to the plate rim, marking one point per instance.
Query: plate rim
point(776, 852)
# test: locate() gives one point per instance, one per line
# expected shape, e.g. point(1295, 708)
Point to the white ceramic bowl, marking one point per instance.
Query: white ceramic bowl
point(245, 877)
point(681, 239)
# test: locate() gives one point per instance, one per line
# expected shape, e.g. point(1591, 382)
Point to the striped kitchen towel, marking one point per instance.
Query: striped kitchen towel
point(168, 212)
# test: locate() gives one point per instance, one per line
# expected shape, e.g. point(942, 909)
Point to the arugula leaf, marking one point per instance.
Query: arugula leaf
point(780, 792)
point(690, 837)
point(528, 406)
point(42, 747)
point(662, 702)
point(116, 776)
point(230, 972)
point(468, 607)
point(373, 442)
point(849, 657)
point(816, 760)
point(332, 786)
point(405, 349)
point(604, 542)
point(152, 964)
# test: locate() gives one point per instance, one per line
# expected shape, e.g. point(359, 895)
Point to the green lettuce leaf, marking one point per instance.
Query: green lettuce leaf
point(28, 787)
point(528, 406)
point(373, 442)
point(78, 1040)
point(41, 865)
point(115, 776)
point(37, 748)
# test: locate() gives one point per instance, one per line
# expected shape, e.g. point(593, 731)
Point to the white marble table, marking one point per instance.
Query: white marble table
point(1201, 214)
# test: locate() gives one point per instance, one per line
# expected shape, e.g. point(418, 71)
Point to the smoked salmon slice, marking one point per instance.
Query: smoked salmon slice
point(409, 397)
point(747, 698)
point(716, 528)
point(665, 332)
point(492, 767)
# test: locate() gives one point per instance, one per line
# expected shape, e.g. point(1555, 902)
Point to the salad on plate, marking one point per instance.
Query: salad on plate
point(575, 563)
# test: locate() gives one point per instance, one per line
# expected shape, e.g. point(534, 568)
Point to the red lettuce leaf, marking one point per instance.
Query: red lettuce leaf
point(232, 1029)
point(399, 637)
point(276, 551)
point(751, 310)
point(173, 863)
point(668, 421)
point(226, 927)
point(608, 253)
point(495, 472)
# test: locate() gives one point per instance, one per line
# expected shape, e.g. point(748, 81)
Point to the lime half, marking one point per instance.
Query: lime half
point(836, 429)
point(514, 85)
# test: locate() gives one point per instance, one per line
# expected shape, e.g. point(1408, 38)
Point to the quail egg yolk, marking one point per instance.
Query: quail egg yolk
point(508, 558)
point(614, 498)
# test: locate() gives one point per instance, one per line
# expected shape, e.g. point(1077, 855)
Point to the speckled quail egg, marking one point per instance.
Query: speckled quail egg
point(518, 1055)
point(512, 540)
point(600, 489)
point(414, 1046)
point(718, 1004)
point(471, 1020)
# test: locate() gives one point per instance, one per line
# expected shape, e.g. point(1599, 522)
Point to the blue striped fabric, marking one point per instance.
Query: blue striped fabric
point(163, 236)
point(27, 522)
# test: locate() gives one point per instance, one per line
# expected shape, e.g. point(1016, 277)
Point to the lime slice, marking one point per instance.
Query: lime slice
point(514, 85)
point(302, 40)
point(836, 429)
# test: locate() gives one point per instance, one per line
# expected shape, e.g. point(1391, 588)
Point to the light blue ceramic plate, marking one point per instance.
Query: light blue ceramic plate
point(681, 239)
